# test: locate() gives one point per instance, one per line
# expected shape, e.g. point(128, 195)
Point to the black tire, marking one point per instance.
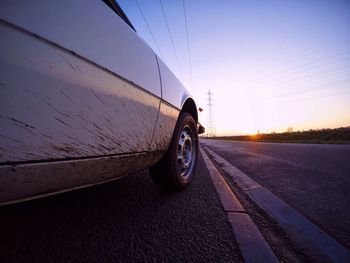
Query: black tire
point(171, 172)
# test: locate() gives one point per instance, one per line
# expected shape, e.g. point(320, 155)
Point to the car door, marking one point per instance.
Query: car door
point(76, 81)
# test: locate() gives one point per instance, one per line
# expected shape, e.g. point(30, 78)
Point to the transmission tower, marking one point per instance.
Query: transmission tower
point(211, 124)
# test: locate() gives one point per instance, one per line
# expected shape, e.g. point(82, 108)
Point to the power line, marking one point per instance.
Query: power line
point(188, 44)
point(171, 38)
point(297, 68)
point(310, 63)
point(320, 81)
point(149, 28)
point(339, 84)
point(325, 96)
point(276, 79)
point(305, 78)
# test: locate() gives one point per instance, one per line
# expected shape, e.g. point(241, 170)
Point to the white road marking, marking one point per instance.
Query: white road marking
point(252, 244)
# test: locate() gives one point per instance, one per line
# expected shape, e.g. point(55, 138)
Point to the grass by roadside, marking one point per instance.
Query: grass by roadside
point(335, 136)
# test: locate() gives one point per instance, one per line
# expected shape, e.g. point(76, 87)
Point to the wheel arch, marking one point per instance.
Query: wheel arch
point(190, 107)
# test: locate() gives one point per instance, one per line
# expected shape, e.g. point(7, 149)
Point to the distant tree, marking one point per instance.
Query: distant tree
point(290, 129)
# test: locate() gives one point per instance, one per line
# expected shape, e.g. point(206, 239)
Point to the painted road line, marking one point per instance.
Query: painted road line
point(252, 244)
point(244, 181)
point(307, 236)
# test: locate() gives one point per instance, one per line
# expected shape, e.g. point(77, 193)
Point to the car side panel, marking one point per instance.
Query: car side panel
point(92, 30)
point(34, 180)
point(174, 92)
point(55, 105)
point(163, 132)
point(174, 95)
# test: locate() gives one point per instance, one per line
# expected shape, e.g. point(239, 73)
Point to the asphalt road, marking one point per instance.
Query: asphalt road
point(129, 220)
point(313, 178)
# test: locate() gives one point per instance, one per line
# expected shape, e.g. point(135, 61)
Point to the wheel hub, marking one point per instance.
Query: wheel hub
point(185, 153)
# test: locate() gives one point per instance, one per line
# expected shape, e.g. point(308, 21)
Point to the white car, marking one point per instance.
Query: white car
point(84, 100)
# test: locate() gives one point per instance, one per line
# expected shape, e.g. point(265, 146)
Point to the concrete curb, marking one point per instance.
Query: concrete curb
point(307, 236)
point(252, 244)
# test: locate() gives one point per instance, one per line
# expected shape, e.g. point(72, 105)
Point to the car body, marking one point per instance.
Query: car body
point(84, 99)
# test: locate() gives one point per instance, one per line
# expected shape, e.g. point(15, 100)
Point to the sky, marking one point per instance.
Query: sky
point(270, 65)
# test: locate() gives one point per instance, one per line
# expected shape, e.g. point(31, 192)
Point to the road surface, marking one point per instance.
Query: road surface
point(132, 219)
point(129, 220)
point(314, 179)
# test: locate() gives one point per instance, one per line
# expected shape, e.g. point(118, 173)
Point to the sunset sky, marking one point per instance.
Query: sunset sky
point(270, 64)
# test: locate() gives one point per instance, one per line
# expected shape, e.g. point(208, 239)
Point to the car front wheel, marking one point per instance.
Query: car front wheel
point(177, 167)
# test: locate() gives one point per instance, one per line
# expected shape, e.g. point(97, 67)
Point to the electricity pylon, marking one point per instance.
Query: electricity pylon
point(211, 123)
